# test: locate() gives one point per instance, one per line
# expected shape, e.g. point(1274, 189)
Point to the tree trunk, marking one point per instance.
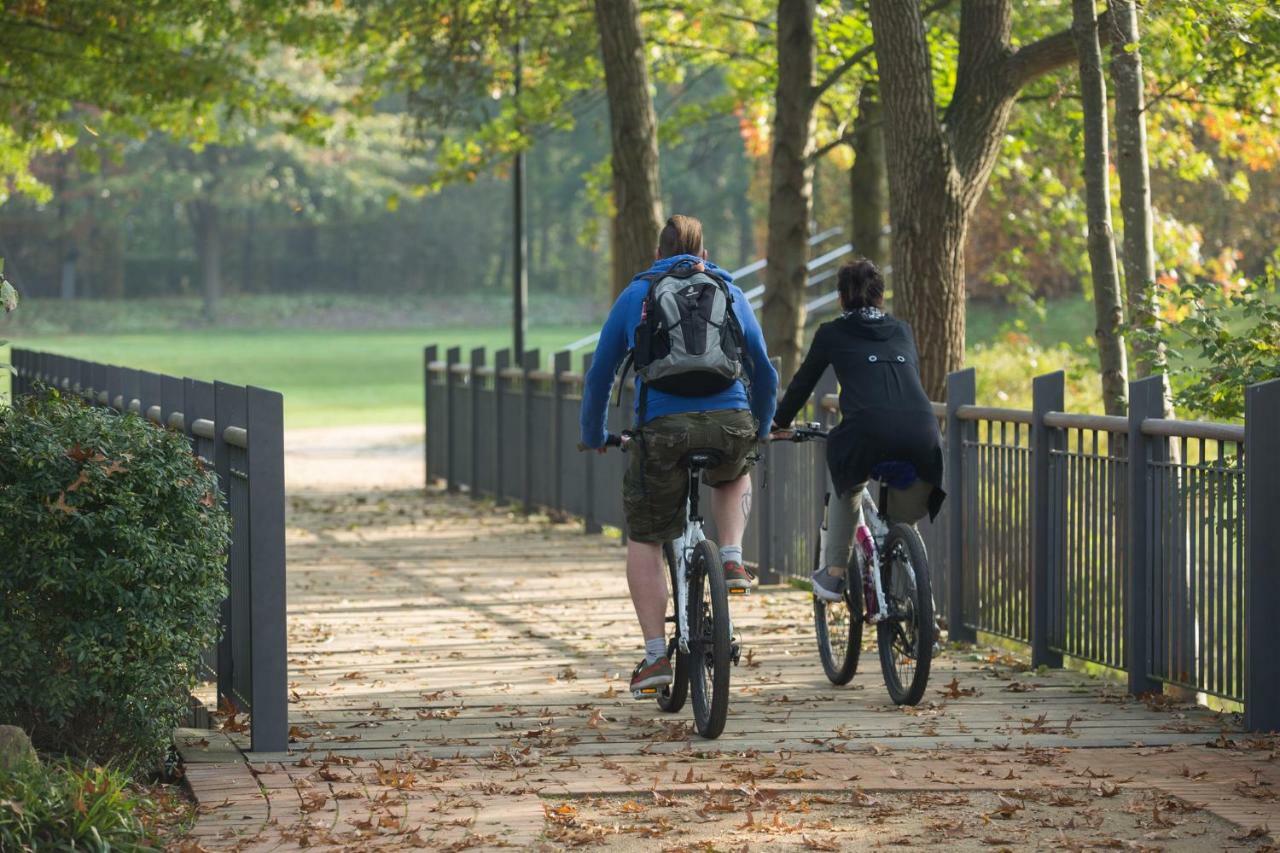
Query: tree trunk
point(938, 169)
point(790, 186)
point(204, 219)
point(1139, 256)
point(869, 181)
point(634, 129)
point(1108, 305)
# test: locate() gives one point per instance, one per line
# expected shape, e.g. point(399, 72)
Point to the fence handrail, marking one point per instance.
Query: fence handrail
point(1175, 428)
point(250, 661)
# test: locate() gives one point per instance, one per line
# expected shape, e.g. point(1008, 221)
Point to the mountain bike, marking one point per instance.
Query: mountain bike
point(889, 590)
point(704, 644)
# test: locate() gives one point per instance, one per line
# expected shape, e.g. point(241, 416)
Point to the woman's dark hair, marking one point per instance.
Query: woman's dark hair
point(860, 285)
point(682, 235)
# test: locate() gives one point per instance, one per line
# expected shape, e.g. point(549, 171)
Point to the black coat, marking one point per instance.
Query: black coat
point(885, 414)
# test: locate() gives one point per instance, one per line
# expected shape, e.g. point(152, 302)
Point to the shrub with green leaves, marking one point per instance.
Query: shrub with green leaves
point(112, 543)
point(69, 807)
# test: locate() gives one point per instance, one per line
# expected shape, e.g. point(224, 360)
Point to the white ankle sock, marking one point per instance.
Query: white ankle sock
point(654, 649)
point(731, 553)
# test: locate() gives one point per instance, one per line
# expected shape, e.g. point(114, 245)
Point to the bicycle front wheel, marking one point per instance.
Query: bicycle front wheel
point(906, 635)
point(838, 625)
point(671, 698)
point(709, 648)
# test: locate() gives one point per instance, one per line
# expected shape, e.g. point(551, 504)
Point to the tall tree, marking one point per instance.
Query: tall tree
point(939, 161)
point(790, 185)
point(869, 180)
point(1108, 305)
point(634, 130)
point(1135, 190)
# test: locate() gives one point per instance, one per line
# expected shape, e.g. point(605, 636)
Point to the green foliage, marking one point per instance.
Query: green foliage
point(1219, 340)
point(113, 538)
point(71, 807)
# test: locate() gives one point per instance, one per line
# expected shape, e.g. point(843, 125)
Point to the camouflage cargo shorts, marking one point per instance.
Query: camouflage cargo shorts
point(654, 487)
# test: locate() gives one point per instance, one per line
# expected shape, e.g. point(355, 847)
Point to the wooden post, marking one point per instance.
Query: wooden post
point(429, 354)
point(268, 654)
point(501, 361)
point(1262, 556)
point(473, 382)
point(1048, 394)
point(962, 390)
point(1146, 400)
point(590, 524)
point(532, 358)
point(451, 468)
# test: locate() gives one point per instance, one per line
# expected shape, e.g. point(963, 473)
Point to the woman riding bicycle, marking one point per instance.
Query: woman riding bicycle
point(887, 427)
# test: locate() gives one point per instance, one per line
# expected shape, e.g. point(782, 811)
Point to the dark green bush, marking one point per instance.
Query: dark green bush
point(111, 572)
point(67, 807)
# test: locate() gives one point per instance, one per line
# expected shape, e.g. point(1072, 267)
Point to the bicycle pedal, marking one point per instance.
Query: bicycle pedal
point(644, 693)
point(739, 591)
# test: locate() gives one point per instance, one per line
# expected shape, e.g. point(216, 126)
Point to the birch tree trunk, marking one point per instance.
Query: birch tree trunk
point(790, 186)
point(869, 181)
point(634, 130)
point(1108, 305)
point(1139, 255)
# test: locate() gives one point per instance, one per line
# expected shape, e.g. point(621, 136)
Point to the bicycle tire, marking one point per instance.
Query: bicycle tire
point(709, 642)
point(839, 659)
point(672, 698)
point(916, 646)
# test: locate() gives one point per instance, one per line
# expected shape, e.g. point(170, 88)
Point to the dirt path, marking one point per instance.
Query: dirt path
point(459, 680)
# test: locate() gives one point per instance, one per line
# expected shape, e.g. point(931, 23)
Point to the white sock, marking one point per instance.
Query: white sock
point(654, 649)
point(730, 553)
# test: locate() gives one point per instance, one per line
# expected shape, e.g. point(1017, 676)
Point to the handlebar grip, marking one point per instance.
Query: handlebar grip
point(614, 440)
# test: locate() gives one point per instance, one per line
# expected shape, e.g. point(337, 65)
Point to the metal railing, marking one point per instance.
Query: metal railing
point(238, 432)
point(1138, 543)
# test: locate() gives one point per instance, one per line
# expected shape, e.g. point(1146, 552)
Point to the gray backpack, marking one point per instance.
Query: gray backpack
point(688, 341)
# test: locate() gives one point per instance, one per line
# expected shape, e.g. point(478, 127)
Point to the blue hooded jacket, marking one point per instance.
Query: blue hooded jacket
point(617, 337)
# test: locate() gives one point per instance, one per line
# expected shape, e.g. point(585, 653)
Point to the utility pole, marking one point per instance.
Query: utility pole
point(520, 280)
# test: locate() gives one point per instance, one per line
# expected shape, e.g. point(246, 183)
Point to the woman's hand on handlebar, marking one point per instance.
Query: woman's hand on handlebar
point(777, 433)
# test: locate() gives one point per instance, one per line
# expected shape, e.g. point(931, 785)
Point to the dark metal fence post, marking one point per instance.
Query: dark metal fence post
point(590, 524)
point(1262, 556)
point(1047, 395)
point(430, 420)
point(172, 390)
point(501, 361)
point(473, 379)
point(452, 356)
point(269, 700)
point(1146, 400)
point(532, 358)
point(149, 391)
point(962, 390)
point(561, 363)
point(226, 408)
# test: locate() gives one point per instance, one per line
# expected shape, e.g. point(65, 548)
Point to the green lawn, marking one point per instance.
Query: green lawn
point(365, 377)
point(327, 377)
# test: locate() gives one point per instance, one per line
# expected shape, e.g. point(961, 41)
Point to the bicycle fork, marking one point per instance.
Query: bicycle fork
point(872, 585)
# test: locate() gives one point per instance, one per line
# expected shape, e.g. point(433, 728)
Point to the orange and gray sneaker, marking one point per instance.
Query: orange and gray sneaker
point(649, 677)
point(737, 577)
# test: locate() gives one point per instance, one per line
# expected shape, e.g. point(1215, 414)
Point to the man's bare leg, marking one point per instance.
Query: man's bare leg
point(731, 507)
point(647, 580)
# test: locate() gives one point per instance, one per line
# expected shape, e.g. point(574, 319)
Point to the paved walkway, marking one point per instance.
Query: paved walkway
point(459, 677)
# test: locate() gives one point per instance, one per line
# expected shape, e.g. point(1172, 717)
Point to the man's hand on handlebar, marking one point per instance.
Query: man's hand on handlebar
point(611, 440)
point(777, 433)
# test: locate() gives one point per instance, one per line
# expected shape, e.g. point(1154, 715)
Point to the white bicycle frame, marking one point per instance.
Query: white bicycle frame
point(683, 548)
point(879, 531)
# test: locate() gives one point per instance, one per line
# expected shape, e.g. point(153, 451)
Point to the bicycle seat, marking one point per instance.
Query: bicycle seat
point(899, 475)
point(702, 457)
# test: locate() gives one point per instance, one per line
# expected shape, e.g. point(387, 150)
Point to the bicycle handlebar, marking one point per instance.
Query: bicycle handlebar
point(612, 440)
point(806, 432)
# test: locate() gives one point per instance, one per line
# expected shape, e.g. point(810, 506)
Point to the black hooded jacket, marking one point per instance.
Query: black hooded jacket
point(885, 414)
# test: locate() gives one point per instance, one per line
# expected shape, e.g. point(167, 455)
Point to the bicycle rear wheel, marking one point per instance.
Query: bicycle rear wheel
point(838, 625)
point(906, 635)
point(671, 699)
point(709, 643)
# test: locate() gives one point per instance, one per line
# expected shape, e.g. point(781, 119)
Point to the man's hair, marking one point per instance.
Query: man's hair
point(860, 285)
point(682, 235)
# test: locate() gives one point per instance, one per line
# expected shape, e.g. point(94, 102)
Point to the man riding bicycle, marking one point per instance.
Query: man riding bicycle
point(887, 427)
point(693, 339)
